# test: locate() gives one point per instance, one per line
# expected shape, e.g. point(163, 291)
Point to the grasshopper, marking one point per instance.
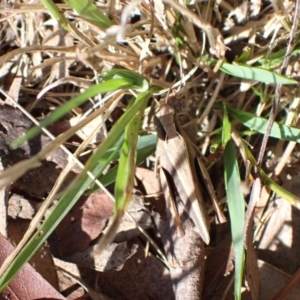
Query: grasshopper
point(177, 160)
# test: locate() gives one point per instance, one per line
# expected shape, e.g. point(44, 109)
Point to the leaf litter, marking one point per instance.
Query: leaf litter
point(183, 47)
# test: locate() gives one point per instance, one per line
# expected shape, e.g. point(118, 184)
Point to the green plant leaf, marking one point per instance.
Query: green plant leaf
point(279, 190)
point(75, 190)
point(141, 84)
point(126, 170)
point(103, 87)
point(276, 59)
point(90, 12)
point(236, 207)
point(145, 147)
point(56, 14)
point(259, 124)
point(255, 73)
point(226, 128)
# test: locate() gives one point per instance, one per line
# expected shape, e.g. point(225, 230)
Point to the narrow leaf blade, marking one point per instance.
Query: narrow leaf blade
point(236, 206)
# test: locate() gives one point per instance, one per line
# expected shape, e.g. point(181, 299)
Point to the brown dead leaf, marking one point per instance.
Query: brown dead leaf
point(149, 180)
point(14, 124)
point(72, 284)
point(42, 260)
point(142, 277)
point(111, 258)
point(68, 284)
point(128, 229)
point(84, 222)
point(152, 187)
point(19, 207)
point(28, 284)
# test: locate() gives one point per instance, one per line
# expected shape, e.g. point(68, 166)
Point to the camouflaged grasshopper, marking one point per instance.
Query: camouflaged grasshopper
point(177, 163)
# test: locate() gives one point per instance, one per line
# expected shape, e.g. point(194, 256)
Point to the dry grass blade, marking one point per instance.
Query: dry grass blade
point(215, 38)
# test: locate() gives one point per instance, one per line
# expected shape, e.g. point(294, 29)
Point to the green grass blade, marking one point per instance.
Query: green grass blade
point(255, 73)
point(141, 83)
point(145, 147)
point(279, 190)
point(259, 124)
point(56, 14)
point(103, 87)
point(276, 59)
point(109, 156)
point(226, 128)
point(90, 12)
point(126, 171)
point(125, 178)
point(71, 196)
point(236, 207)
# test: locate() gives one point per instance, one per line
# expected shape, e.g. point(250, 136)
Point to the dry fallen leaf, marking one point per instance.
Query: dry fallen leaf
point(28, 284)
point(111, 258)
point(142, 277)
point(19, 207)
point(84, 222)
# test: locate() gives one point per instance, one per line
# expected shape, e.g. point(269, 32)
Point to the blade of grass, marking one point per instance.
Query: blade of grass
point(141, 83)
point(103, 87)
point(226, 128)
point(125, 178)
point(276, 59)
point(254, 73)
point(76, 189)
point(126, 169)
point(236, 207)
point(259, 124)
point(90, 12)
point(145, 147)
point(56, 14)
point(280, 191)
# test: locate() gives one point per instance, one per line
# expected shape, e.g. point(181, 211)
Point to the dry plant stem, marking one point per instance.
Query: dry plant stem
point(246, 30)
point(52, 61)
point(215, 38)
point(284, 158)
point(279, 86)
point(175, 85)
point(60, 49)
point(252, 272)
point(291, 145)
point(80, 82)
point(212, 99)
point(26, 8)
point(15, 87)
point(170, 36)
